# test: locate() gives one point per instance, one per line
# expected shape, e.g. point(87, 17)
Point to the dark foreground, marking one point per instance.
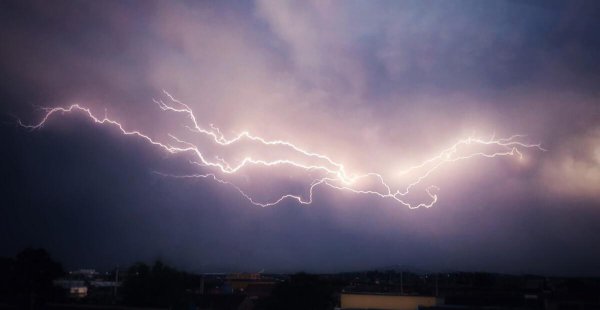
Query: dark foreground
point(32, 280)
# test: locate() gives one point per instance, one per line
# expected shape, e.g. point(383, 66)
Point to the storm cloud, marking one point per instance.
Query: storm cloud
point(377, 85)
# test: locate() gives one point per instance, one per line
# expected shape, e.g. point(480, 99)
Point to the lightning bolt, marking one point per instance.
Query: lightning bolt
point(333, 174)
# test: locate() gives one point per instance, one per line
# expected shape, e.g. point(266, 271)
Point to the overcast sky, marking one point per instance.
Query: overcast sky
point(377, 85)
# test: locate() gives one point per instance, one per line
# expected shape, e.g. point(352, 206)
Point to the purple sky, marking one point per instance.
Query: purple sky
point(377, 85)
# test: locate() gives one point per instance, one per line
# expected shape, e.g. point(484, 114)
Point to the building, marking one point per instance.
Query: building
point(239, 282)
point(387, 301)
point(75, 288)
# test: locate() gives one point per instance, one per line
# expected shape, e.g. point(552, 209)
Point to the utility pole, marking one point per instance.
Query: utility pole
point(436, 285)
point(401, 282)
point(202, 285)
point(116, 283)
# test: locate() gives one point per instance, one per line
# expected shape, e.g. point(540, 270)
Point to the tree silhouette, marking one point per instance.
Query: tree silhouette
point(27, 280)
point(156, 286)
point(301, 291)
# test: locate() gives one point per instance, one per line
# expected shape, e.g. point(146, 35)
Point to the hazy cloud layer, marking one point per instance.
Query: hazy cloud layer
point(376, 85)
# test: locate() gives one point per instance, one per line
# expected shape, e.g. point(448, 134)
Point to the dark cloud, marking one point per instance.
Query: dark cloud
point(373, 83)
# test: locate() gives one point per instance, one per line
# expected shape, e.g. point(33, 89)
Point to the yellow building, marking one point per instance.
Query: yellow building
point(387, 301)
point(240, 281)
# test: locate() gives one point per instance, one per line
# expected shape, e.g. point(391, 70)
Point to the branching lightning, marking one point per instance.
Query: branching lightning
point(333, 174)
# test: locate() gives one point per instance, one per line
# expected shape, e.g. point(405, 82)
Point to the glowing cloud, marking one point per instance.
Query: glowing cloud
point(331, 173)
